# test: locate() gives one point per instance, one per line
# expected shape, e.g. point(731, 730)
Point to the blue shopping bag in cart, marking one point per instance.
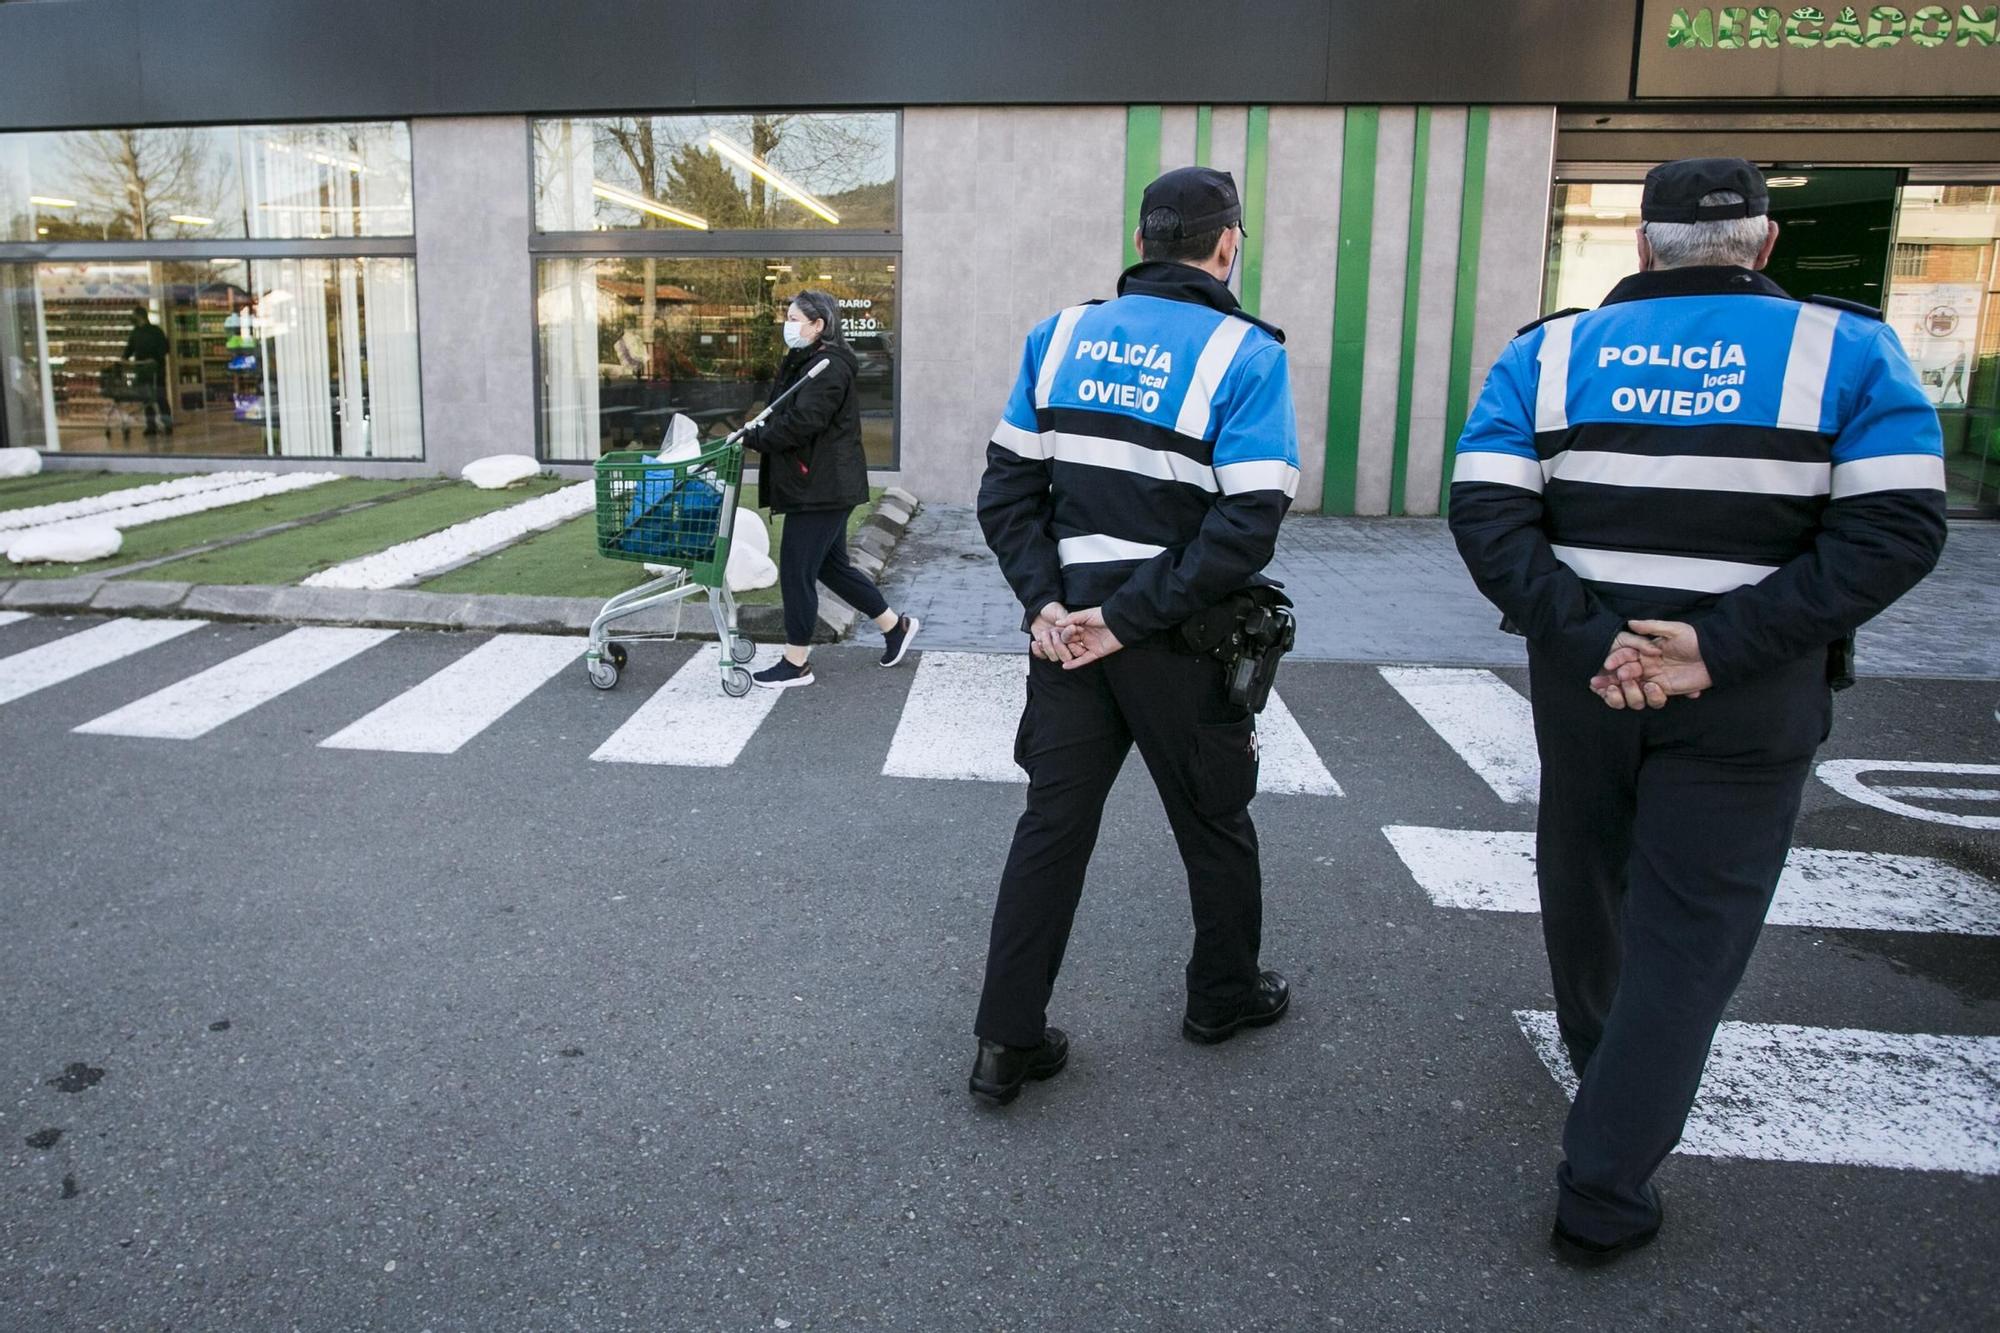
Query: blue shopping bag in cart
point(674, 516)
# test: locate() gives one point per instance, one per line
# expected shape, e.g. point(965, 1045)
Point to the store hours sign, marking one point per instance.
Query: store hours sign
point(1791, 50)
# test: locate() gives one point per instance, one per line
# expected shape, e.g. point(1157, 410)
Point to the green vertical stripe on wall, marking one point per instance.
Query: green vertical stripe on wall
point(1472, 214)
point(1204, 133)
point(1413, 271)
point(1350, 309)
point(1142, 163)
point(1256, 162)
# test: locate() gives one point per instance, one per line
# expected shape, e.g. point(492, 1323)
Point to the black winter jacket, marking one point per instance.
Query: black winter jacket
point(811, 446)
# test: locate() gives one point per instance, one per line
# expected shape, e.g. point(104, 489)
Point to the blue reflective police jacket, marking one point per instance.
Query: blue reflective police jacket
point(1705, 448)
point(1146, 454)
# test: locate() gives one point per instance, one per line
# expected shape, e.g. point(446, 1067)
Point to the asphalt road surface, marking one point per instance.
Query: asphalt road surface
point(554, 1027)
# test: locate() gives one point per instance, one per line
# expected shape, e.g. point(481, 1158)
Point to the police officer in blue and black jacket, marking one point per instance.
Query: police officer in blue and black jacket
point(1687, 500)
point(1134, 487)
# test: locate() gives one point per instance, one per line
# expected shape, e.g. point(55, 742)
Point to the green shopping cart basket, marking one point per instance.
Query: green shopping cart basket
point(678, 516)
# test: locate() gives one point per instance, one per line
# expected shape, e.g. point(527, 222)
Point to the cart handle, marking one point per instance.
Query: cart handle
point(772, 406)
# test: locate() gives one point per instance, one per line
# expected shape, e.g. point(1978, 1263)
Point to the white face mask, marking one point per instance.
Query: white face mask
point(795, 335)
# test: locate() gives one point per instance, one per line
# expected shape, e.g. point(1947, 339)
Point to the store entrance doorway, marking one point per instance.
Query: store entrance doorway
point(1836, 228)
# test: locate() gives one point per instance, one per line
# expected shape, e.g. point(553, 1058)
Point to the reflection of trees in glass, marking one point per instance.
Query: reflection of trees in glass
point(838, 158)
point(129, 183)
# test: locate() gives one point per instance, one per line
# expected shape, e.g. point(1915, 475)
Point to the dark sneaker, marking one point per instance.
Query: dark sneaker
point(1266, 1005)
point(897, 641)
point(999, 1072)
point(783, 676)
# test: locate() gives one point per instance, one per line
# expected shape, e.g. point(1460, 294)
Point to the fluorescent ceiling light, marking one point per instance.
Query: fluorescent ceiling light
point(48, 202)
point(764, 171)
point(1786, 182)
point(190, 220)
point(639, 201)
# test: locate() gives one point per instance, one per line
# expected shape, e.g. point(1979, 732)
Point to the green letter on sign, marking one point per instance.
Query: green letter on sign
point(1795, 26)
point(1683, 30)
point(1885, 26)
point(1932, 26)
point(1845, 30)
point(1977, 26)
point(1765, 25)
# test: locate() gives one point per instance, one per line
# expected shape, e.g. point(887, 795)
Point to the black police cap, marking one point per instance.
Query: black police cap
point(1674, 189)
point(1202, 199)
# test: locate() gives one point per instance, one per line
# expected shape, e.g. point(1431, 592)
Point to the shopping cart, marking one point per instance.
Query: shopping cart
point(123, 382)
point(679, 514)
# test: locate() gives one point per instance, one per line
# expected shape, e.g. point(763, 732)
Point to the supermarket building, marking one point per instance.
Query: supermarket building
point(388, 238)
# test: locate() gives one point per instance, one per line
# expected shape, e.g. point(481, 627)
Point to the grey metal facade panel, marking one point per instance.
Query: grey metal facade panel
point(151, 62)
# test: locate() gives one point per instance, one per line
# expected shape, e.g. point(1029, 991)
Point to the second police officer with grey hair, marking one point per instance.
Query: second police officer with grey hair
point(1133, 492)
point(1687, 499)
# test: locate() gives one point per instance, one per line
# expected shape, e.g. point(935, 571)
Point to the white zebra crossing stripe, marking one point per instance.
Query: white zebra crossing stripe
point(450, 708)
point(1287, 762)
point(1837, 1096)
point(959, 719)
point(963, 709)
point(9, 617)
point(1830, 890)
point(204, 701)
point(689, 722)
point(53, 663)
point(1480, 716)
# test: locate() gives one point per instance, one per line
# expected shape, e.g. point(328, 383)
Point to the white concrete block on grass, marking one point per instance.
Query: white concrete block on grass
point(689, 722)
point(414, 561)
point(1481, 717)
point(20, 462)
point(497, 471)
point(74, 543)
point(1827, 889)
point(70, 656)
point(226, 691)
point(1836, 1096)
point(455, 705)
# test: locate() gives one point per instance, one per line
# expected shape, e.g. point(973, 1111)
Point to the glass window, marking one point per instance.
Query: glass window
point(197, 183)
point(628, 342)
point(296, 357)
point(1944, 303)
point(773, 171)
point(1591, 243)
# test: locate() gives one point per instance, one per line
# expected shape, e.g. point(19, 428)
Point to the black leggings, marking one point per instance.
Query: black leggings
point(812, 551)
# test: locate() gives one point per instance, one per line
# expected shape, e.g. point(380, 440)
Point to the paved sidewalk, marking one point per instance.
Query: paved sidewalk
point(1393, 590)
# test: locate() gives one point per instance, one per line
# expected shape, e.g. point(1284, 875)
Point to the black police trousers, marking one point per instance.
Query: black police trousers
point(1075, 732)
point(1658, 847)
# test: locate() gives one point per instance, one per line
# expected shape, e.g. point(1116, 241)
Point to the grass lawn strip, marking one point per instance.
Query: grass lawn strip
point(136, 497)
point(177, 536)
point(291, 556)
point(460, 544)
point(564, 562)
point(56, 487)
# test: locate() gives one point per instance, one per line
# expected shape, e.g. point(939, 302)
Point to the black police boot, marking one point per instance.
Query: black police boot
point(1577, 1252)
point(999, 1071)
point(1265, 1005)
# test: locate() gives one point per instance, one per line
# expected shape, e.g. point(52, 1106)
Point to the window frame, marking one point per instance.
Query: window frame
point(682, 243)
point(35, 253)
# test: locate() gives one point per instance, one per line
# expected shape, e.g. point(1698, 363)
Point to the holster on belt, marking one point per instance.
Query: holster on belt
point(1249, 632)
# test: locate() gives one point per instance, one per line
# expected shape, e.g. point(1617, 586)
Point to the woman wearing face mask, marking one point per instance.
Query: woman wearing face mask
point(814, 473)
